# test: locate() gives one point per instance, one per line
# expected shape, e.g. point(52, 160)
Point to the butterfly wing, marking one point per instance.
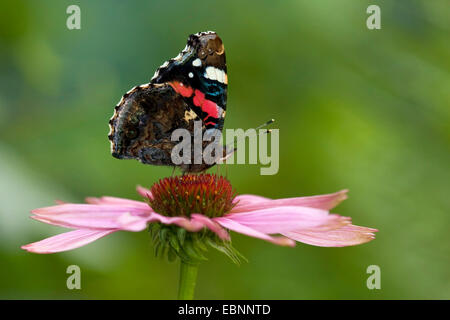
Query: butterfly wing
point(143, 123)
point(199, 74)
point(190, 88)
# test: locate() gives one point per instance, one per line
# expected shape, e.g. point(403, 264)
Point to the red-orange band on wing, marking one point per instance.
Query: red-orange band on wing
point(182, 89)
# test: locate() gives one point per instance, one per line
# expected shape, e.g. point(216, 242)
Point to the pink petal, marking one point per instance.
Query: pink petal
point(118, 201)
point(246, 199)
point(37, 218)
point(146, 193)
point(211, 225)
point(66, 241)
point(90, 208)
point(190, 225)
point(348, 235)
point(130, 222)
point(281, 219)
point(87, 216)
point(325, 202)
point(237, 227)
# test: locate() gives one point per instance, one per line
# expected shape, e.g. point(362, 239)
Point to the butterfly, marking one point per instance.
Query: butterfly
point(190, 88)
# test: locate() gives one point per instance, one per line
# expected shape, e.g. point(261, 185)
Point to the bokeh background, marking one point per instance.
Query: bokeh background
point(366, 110)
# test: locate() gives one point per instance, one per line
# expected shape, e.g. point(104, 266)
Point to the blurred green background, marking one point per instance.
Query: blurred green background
point(366, 110)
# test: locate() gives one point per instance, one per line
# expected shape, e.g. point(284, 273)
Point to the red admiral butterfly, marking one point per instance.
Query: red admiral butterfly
point(190, 87)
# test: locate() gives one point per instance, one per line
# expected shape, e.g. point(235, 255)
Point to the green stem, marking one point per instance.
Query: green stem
point(188, 278)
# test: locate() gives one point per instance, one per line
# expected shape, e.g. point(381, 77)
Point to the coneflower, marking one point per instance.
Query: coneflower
point(191, 213)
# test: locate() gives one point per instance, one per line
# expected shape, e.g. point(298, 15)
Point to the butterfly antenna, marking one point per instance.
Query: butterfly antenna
point(233, 145)
point(265, 124)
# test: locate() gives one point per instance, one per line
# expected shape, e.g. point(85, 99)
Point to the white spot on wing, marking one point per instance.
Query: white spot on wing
point(212, 73)
point(197, 62)
point(191, 75)
point(220, 76)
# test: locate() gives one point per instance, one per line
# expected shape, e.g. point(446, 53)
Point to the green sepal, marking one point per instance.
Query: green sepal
point(181, 234)
point(172, 241)
point(171, 255)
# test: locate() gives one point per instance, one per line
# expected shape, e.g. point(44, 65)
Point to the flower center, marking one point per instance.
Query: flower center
point(207, 194)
